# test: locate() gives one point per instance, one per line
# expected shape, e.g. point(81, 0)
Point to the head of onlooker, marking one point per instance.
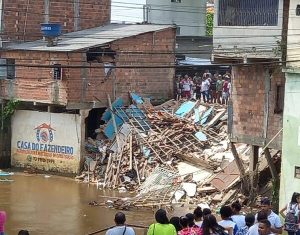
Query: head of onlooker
point(191, 218)
point(264, 227)
point(206, 211)
point(186, 77)
point(161, 216)
point(209, 224)
point(295, 198)
point(262, 215)
point(184, 222)
point(249, 219)
point(265, 205)
point(207, 76)
point(219, 77)
point(236, 208)
point(176, 222)
point(120, 218)
point(225, 212)
point(198, 214)
point(23, 232)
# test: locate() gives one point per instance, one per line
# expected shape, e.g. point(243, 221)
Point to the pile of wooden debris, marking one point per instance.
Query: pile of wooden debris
point(186, 138)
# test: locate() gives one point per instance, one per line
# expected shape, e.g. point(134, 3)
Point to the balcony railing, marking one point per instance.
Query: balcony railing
point(248, 12)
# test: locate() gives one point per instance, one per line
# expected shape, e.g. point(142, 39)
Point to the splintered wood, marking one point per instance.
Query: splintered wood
point(153, 138)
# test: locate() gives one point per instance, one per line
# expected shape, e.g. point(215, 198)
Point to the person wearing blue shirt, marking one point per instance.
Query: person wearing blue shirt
point(226, 221)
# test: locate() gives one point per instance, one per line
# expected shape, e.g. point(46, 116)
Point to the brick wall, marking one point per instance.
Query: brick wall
point(35, 84)
point(80, 85)
point(156, 83)
point(249, 109)
point(21, 18)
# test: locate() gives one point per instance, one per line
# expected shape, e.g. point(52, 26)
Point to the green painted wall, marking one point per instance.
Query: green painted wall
point(291, 138)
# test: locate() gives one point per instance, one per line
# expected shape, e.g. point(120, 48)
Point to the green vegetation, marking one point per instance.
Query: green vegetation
point(209, 23)
point(7, 111)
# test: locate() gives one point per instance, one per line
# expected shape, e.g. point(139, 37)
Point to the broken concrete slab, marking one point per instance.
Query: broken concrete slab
point(190, 189)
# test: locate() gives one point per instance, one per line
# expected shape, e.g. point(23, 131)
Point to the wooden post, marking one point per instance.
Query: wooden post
point(271, 165)
point(241, 168)
point(130, 151)
point(253, 168)
point(237, 159)
point(114, 122)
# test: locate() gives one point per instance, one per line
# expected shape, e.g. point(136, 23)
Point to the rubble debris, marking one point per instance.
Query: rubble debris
point(149, 152)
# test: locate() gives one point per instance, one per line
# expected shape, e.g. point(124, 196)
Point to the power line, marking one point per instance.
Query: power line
point(145, 67)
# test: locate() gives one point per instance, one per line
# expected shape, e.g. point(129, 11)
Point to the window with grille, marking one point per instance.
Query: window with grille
point(279, 99)
point(178, 1)
point(248, 12)
point(297, 172)
point(57, 72)
point(7, 69)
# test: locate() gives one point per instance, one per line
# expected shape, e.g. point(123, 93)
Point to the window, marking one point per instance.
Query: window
point(178, 1)
point(298, 10)
point(57, 72)
point(297, 172)
point(248, 12)
point(7, 69)
point(279, 99)
point(177, 30)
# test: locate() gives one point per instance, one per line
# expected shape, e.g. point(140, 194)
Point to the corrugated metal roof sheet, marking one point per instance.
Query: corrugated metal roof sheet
point(90, 37)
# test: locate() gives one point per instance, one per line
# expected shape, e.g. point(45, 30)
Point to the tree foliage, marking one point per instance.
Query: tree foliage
point(209, 23)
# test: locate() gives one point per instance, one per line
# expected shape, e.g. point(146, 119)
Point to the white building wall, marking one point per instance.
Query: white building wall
point(293, 40)
point(46, 141)
point(256, 41)
point(189, 15)
point(127, 11)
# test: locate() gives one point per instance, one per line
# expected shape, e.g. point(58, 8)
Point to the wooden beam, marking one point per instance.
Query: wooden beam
point(245, 180)
point(271, 164)
point(253, 158)
point(253, 171)
point(237, 159)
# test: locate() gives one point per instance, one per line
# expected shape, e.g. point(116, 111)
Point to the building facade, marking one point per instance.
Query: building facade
point(20, 20)
point(188, 15)
point(290, 176)
point(251, 36)
point(70, 80)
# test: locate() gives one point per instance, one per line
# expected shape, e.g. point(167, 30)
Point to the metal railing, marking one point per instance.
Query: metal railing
point(248, 12)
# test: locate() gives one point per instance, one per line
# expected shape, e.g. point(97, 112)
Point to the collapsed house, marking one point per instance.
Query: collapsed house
point(179, 149)
point(60, 88)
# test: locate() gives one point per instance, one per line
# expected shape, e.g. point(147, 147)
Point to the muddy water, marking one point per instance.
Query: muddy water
point(57, 205)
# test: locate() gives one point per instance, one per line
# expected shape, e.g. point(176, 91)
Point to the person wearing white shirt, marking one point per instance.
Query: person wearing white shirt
point(198, 214)
point(294, 207)
point(226, 221)
point(253, 230)
point(120, 228)
point(276, 226)
point(264, 228)
point(237, 217)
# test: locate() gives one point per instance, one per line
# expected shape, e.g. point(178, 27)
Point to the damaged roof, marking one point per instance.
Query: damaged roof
point(88, 38)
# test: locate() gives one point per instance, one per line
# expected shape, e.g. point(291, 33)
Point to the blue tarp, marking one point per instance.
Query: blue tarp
point(200, 136)
point(197, 116)
point(185, 108)
point(109, 130)
point(205, 116)
point(107, 114)
point(136, 99)
point(2, 173)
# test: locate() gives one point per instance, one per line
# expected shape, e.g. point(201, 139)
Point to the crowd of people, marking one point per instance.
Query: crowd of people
point(232, 222)
point(208, 88)
point(204, 222)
